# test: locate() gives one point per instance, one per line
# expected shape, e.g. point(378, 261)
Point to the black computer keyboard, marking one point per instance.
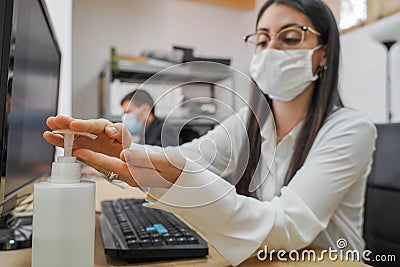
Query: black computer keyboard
point(135, 233)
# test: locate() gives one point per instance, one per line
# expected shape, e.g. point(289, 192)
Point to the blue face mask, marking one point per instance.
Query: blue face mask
point(132, 124)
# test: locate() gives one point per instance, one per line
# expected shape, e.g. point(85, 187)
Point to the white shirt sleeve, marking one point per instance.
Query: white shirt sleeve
point(237, 225)
point(216, 150)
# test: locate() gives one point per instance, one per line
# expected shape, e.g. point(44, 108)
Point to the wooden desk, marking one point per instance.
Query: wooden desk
point(106, 191)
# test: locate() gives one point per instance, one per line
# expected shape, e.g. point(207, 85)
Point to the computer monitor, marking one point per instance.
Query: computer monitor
point(29, 81)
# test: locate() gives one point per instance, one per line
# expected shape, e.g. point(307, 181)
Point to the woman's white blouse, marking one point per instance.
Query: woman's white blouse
point(322, 204)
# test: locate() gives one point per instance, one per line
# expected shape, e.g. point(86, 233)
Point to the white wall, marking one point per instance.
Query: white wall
point(134, 25)
point(364, 72)
point(61, 16)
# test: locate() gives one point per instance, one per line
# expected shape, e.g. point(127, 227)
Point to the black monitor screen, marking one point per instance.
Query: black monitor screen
point(32, 94)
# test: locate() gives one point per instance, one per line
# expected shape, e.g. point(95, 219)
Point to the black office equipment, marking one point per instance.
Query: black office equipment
point(382, 207)
point(135, 233)
point(29, 77)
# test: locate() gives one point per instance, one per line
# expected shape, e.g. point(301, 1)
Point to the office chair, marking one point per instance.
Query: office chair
point(187, 134)
point(382, 206)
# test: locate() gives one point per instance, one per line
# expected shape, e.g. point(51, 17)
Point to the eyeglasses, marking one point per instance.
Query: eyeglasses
point(288, 38)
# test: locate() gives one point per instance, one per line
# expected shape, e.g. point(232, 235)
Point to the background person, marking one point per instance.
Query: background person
point(313, 189)
point(139, 118)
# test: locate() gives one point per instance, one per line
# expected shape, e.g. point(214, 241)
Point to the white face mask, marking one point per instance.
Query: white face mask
point(132, 123)
point(283, 74)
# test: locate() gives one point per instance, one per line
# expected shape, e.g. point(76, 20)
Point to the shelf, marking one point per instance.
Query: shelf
point(202, 71)
point(113, 86)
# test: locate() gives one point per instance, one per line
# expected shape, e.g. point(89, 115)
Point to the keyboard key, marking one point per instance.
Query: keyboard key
point(177, 235)
point(160, 228)
point(157, 242)
point(187, 234)
point(166, 235)
point(150, 229)
point(133, 243)
point(144, 236)
point(130, 237)
point(145, 243)
point(182, 240)
point(127, 231)
point(192, 240)
point(171, 241)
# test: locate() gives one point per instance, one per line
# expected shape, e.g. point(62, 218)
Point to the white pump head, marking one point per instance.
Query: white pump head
point(67, 169)
point(69, 139)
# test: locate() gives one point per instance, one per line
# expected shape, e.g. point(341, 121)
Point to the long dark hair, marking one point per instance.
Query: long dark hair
point(325, 96)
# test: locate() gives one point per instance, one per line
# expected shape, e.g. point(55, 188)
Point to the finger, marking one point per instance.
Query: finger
point(100, 169)
point(99, 159)
point(104, 171)
point(104, 164)
point(168, 167)
point(53, 139)
point(59, 122)
point(133, 176)
point(145, 177)
point(140, 158)
point(58, 140)
point(119, 132)
point(94, 126)
point(158, 161)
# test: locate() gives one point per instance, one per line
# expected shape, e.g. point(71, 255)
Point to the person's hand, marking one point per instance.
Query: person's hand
point(137, 167)
point(105, 153)
point(111, 138)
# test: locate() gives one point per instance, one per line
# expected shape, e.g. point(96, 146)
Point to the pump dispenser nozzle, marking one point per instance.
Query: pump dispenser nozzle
point(69, 139)
point(67, 169)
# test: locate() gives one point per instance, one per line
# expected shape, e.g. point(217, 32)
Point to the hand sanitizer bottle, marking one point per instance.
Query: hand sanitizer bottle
point(64, 213)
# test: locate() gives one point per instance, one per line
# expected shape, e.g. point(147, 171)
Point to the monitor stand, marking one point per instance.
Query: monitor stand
point(15, 232)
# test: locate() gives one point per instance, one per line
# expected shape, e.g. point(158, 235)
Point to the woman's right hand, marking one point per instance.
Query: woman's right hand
point(111, 138)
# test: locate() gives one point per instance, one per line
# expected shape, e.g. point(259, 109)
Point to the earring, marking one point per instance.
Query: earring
point(321, 70)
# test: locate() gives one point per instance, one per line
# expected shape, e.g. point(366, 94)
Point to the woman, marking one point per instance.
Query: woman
point(313, 192)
